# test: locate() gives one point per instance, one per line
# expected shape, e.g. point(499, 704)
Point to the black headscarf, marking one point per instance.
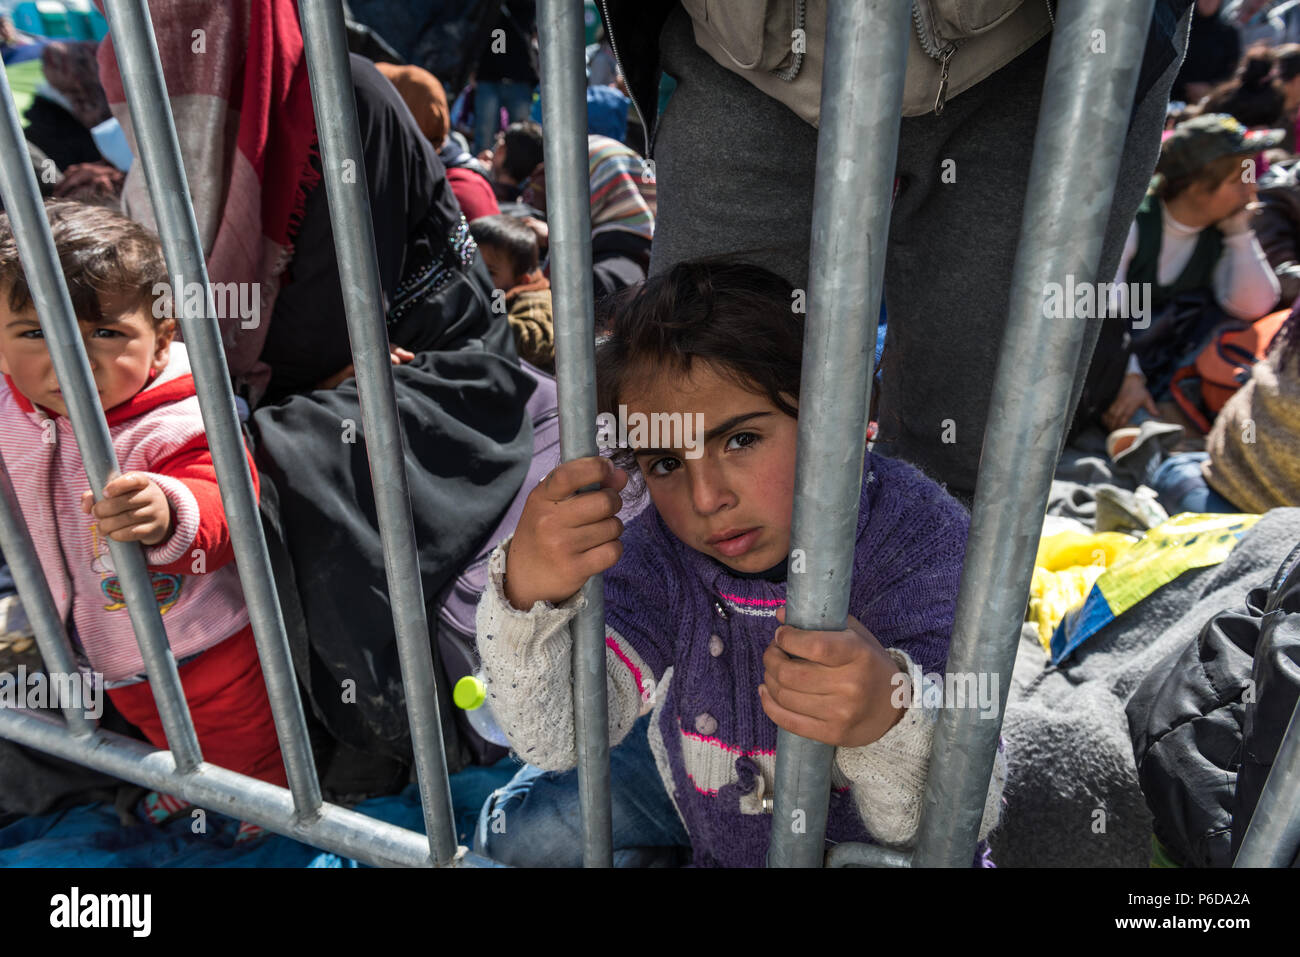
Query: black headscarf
point(461, 408)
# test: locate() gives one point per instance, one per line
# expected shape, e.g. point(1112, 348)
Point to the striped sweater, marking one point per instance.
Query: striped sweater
point(623, 190)
point(685, 640)
point(159, 432)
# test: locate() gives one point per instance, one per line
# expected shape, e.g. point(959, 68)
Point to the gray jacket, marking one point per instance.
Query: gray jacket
point(992, 34)
point(779, 45)
point(1206, 724)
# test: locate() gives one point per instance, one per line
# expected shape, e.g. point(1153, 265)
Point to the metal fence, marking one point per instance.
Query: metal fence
point(1069, 196)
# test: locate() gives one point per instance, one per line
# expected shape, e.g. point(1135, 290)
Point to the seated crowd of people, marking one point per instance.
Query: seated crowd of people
point(1193, 390)
point(1197, 386)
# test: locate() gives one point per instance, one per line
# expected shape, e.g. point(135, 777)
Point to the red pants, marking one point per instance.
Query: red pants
point(228, 705)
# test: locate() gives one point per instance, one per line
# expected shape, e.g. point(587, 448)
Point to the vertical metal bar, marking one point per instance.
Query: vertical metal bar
point(1273, 836)
point(354, 242)
point(564, 107)
point(155, 132)
point(1086, 100)
point(71, 367)
point(51, 638)
point(862, 95)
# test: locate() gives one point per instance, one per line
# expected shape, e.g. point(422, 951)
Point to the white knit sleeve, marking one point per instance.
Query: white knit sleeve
point(528, 673)
point(887, 777)
point(1244, 282)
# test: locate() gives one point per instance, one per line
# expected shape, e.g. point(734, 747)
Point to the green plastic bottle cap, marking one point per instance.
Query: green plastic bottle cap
point(469, 693)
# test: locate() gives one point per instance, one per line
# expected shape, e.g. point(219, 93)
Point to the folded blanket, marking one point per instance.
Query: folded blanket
point(1072, 789)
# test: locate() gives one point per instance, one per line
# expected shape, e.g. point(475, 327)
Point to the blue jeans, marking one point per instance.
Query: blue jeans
point(1182, 488)
point(534, 821)
point(489, 98)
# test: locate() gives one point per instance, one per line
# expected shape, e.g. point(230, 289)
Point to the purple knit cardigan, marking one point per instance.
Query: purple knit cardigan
point(678, 608)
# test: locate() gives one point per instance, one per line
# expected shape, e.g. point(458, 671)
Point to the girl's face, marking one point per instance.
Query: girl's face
point(729, 492)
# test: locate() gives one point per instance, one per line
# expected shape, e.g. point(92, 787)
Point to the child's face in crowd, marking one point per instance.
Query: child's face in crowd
point(499, 268)
point(1230, 196)
point(734, 501)
point(123, 351)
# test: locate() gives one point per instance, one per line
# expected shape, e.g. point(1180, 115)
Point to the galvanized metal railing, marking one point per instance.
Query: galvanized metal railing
point(1069, 199)
point(1272, 838)
point(51, 638)
point(325, 38)
point(568, 210)
point(1086, 100)
point(298, 812)
point(155, 133)
point(862, 97)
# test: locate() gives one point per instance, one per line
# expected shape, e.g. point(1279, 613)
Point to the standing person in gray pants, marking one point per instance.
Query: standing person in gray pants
point(735, 170)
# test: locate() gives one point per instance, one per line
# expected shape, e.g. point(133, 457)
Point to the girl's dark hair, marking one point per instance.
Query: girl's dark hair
point(1210, 175)
point(738, 318)
point(1250, 95)
point(103, 254)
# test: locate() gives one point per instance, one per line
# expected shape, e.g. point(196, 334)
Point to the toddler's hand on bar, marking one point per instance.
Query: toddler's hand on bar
point(133, 509)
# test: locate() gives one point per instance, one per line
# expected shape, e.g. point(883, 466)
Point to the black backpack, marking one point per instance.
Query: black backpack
point(1207, 722)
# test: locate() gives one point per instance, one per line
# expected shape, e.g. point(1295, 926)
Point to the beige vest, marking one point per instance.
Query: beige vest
point(760, 40)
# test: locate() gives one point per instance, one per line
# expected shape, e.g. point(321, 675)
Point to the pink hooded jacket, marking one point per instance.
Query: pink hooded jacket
point(159, 432)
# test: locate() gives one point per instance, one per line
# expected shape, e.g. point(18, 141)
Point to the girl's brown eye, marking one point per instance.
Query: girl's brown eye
point(669, 465)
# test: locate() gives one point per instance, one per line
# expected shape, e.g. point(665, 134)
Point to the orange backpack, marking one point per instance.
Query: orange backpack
point(1223, 366)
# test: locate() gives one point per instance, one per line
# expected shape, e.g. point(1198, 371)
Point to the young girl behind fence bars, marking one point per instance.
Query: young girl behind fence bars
point(166, 499)
point(694, 593)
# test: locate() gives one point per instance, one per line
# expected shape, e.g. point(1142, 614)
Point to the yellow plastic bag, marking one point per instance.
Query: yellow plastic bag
point(1184, 542)
point(1067, 566)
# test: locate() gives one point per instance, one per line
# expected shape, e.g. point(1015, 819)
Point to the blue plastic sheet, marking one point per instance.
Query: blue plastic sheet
point(92, 835)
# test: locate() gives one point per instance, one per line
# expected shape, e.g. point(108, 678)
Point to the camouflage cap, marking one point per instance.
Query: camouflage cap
point(1204, 139)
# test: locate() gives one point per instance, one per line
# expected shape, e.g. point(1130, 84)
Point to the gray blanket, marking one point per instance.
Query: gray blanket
point(1072, 795)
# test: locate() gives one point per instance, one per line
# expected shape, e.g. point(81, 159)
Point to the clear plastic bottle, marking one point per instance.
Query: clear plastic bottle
point(470, 694)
